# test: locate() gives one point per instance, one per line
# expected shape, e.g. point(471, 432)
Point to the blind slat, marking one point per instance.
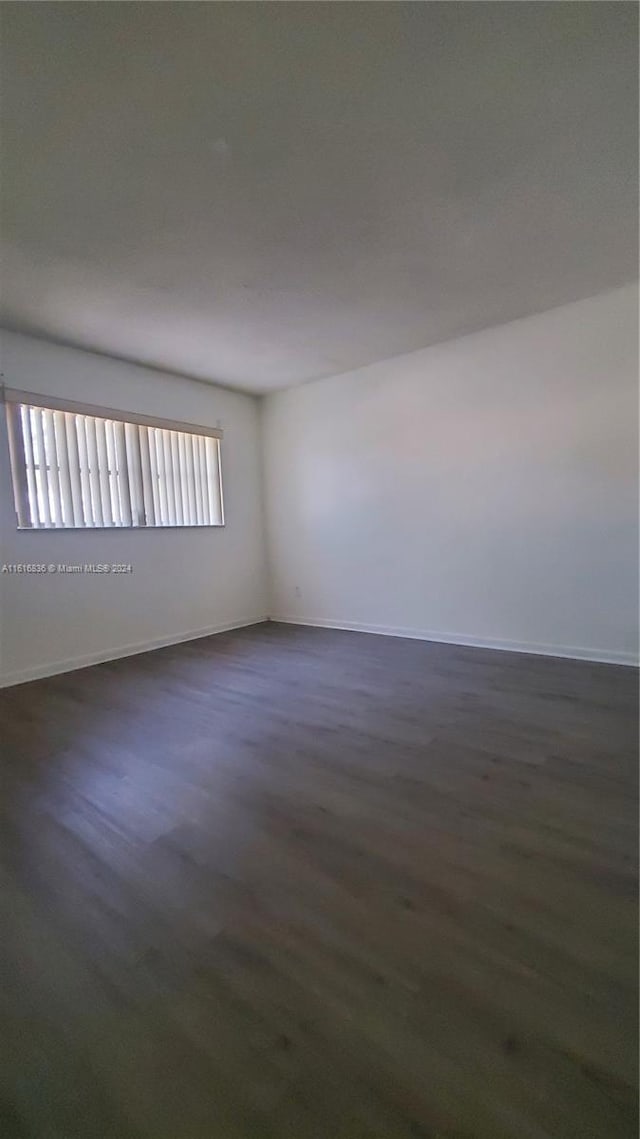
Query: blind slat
point(155, 476)
point(29, 464)
point(198, 481)
point(103, 471)
point(122, 473)
point(162, 477)
point(74, 469)
point(83, 463)
point(191, 485)
point(171, 498)
point(63, 468)
point(145, 471)
point(114, 495)
point(42, 478)
point(213, 471)
point(134, 467)
point(175, 478)
point(92, 471)
point(206, 505)
point(182, 478)
point(52, 463)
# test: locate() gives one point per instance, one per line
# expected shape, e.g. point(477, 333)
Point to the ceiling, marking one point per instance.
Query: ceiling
point(262, 194)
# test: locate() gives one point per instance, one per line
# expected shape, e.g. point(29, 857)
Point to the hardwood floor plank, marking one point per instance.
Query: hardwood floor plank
point(300, 882)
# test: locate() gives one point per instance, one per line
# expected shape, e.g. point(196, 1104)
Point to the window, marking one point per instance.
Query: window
point(78, 466)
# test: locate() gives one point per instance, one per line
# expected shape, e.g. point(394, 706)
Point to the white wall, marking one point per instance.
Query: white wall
point(482, 490)
point(184, 581)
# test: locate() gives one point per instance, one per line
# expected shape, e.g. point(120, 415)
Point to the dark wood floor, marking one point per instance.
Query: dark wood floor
point(300, 883)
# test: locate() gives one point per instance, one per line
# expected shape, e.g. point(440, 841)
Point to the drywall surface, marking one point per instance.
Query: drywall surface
point(183, 582)
point(483, 490)
point(262, 195)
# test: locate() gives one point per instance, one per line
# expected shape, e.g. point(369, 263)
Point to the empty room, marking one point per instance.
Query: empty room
point(319, 570)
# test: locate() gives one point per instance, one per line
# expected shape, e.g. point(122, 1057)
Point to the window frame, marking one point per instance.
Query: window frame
point(13, 398)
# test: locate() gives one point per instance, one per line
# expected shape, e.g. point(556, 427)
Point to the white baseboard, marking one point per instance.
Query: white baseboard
point(53, 668)
point(571, 652)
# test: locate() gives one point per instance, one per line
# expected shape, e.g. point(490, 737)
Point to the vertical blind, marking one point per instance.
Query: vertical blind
point(72, 469)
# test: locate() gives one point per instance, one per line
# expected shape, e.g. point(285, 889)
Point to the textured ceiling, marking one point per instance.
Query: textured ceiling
point(261, 194)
